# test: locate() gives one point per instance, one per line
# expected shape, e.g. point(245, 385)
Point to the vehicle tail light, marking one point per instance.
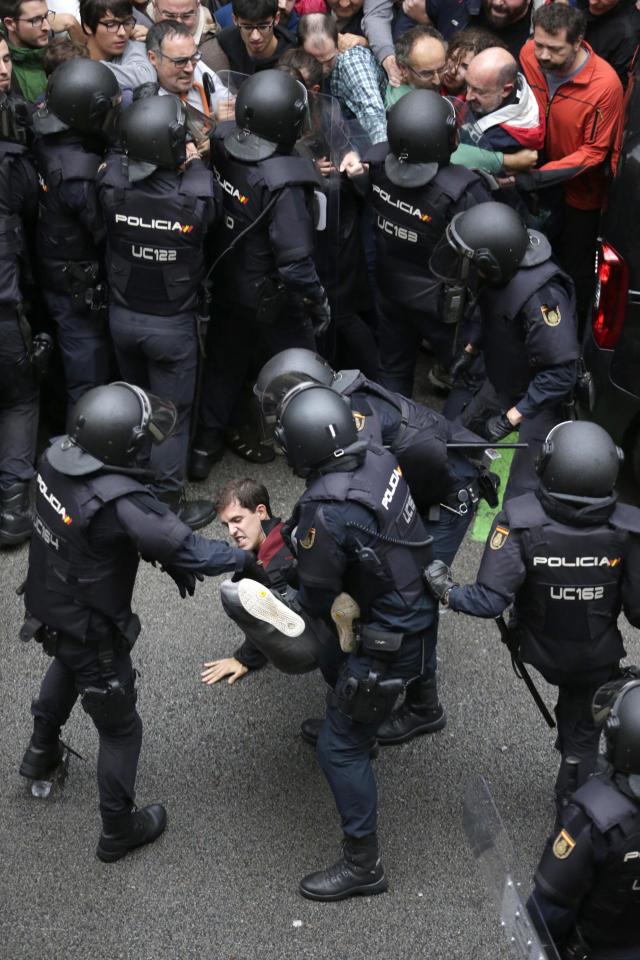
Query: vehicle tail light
point(610, 302)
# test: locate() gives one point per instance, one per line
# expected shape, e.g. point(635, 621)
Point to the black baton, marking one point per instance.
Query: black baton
point(522, 673)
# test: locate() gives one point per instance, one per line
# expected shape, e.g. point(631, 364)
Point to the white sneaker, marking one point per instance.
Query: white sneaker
point(344, 610)
point(261, 603)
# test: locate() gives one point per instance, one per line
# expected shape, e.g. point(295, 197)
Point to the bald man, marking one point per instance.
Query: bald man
point(503, 113)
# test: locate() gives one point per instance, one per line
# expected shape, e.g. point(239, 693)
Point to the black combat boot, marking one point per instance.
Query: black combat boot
point(420, 713)
point(195, 513)
point(360, 871)
point(207, 449)
point(134, 829)
point(15, 515)
point(40, 762)
point(310, 731)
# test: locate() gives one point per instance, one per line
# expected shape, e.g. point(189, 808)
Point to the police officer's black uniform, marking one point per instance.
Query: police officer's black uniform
point(156, 227)
point(526, 328)
point(92, 526)
point(587, 884)
point(568, 558)
point(69, 147)
point(357, 530)
point(414, 192)
point(18, 391)
point(445, 485)
point(266, 290)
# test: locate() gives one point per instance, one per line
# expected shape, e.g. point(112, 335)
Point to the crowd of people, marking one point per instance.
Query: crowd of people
point(237, 226)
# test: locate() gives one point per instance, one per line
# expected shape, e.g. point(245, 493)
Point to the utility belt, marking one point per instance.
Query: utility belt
point(49, 637)
point(79, 280)
point(370, 699)
point(461, 500)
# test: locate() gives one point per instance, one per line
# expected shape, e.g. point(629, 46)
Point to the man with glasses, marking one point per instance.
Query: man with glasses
point(421, 55)
point(28, 27)
point(255, 42)
point(108, 25)
point(192, 15)
point(172, 50)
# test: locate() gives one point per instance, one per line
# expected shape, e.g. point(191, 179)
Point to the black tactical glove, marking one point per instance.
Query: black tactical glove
point(185, 580)
point(319, 312)
point(254, 570)
point(498, 427)
point(41, 348)
point(462, 363)
point(439, 581)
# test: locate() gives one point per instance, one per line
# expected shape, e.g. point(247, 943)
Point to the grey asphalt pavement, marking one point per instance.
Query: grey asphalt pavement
point(249, 811)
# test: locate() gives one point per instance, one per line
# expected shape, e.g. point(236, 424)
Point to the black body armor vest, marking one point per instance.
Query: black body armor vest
point(408, 223)
point(12, 242)
point(567, 609)
point(60, 236)
point(503, 336)
point(155, 236)
point(247, 189)
point(609, 913)
point(379, 486)
point(69, 580)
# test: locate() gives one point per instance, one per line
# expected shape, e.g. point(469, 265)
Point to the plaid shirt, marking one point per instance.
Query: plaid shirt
point(359, 83)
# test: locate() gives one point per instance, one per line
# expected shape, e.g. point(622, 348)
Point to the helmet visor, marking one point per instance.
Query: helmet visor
point(159, 417)
point(271, 395)
point(451, 260)
point(199, 126)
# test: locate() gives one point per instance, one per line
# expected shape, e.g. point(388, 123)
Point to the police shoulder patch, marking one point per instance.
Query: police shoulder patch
point(358, 419)
point(499, 537)
point(308, 541)
point(551, 315)
point(563, 845)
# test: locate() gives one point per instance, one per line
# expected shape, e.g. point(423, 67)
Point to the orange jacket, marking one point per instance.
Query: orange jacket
point(583, 118)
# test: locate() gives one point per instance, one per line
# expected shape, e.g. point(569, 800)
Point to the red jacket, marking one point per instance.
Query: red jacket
point(583, 119)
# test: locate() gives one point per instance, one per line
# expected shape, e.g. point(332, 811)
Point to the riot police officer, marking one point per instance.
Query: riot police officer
point(18, 391)
point(526, 329)
point(267, 292)
point(587, 885)
point(357, 530)
point(445, 486)
point(72, 129)
point(568, 557)
point(158, 205)
point(94, 519)
point(414, 191)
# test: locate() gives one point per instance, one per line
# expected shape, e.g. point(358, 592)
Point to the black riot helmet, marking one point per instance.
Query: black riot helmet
point(271, 109)
point(316, 429)
point(421, 129)
point(82, 95)
point(14, 118)
point(283, 372)
point(492, 238)
point(153, 132)
point(616, 708)
point(579, 461)
point(112, 426)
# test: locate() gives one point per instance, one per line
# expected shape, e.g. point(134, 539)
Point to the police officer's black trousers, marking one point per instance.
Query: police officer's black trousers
point(237, 345)
point(401, 332)
point(344, 744)
point(577, 734)
point(75, 667)
point(160, 354)
point(84, 345)
point(18, 404)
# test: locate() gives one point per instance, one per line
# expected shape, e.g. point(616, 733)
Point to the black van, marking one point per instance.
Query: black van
point(612, 344)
